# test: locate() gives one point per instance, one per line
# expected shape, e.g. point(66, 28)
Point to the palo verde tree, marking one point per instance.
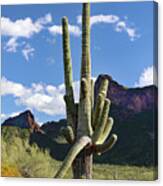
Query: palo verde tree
point(88, 125)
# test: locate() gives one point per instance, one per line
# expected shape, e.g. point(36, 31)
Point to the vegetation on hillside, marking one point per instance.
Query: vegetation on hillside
point(19, 159)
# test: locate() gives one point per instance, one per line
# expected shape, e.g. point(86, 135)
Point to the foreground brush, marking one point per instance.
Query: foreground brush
point(88, 125)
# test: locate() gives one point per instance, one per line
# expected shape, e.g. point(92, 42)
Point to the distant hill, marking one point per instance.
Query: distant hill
point(135, 122)
point(126, 102)
point(24, 120)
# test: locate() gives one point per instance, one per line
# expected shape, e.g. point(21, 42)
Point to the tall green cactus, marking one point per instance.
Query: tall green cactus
point(88, 125)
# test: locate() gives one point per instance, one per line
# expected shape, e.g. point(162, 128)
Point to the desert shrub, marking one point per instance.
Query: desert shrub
point(23, 159)
point(8, 132)
point(10, 171)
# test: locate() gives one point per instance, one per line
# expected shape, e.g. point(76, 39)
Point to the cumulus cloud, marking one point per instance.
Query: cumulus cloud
point(57, 29)
point(119, 25)
point(28, 52)
point(44, 20)
point(38, 87)
point(100, 19)
point(41, 97)
point(146, 77)
point(23, 27)
point(37, 96)
point(12, 88)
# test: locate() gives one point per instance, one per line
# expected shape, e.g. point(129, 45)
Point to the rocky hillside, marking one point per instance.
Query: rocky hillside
point(23, 120)
point(126, 102)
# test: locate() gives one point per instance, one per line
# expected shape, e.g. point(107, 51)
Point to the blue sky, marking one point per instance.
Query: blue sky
point(32, 59)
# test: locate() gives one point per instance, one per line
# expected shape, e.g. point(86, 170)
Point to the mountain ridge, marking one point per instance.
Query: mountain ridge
point(128, 101)
point(24, 120)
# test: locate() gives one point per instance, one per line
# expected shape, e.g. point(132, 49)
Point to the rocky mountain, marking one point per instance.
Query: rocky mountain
point(23, 120)
point(126, 102)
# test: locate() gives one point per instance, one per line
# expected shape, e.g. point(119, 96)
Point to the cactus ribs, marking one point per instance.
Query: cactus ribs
point(88, 125)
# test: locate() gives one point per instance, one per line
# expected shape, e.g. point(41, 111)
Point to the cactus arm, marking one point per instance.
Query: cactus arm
point(69, 97)
point(68, 133)
point(107, 130)
point(98, 111)
point(99, 149)
point(104, 86)
point(84, 123)
point(92, 99)
point(74, 151)
point(67, 59)
point(70, 106)
point(100, 101)
point(100, 128)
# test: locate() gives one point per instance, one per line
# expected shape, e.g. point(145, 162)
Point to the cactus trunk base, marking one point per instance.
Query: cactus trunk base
point(82, 165)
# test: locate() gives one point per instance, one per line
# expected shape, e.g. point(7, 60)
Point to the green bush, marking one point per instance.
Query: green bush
point(28, 159)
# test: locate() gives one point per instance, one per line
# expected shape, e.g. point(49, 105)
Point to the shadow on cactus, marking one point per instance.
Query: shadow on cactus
point(88, 125)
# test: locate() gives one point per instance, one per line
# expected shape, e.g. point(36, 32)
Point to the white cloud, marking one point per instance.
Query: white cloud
point(120, 26)
point(51, 89)
point(146, 77)
point(3, 116)
point(19, 28)
point(28, 51)
point(15, 89)
point(41, 97)
point(38, 87)
point(11, 45)
point(100, 19)
point(57, 29)
point(23, 27)
point(44, 20)
point(42, 103)
point(131, 32)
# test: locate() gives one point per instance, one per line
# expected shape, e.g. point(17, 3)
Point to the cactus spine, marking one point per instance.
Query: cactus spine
point(88, 125)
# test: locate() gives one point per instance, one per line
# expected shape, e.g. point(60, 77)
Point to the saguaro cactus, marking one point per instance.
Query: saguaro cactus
point(88, 125)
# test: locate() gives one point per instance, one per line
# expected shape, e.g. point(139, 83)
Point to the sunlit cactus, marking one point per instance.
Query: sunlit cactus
point(88, 125)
